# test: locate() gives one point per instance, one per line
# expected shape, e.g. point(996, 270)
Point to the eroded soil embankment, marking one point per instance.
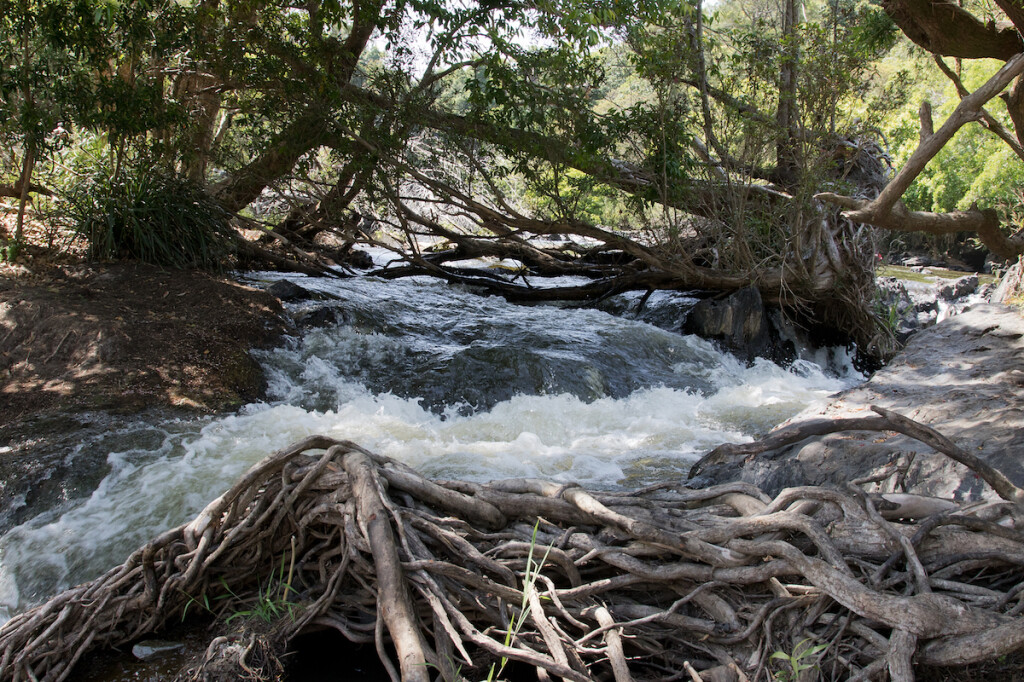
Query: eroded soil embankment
point(127, 336)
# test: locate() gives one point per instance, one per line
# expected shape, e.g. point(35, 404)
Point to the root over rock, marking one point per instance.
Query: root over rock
point(449, 579)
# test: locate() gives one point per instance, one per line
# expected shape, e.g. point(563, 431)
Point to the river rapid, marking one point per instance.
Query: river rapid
point(455, 384)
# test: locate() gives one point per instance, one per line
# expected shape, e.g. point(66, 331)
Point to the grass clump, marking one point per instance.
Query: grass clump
point(151, 215)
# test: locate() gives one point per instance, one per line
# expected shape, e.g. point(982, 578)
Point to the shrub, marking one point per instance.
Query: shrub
point(151, 215)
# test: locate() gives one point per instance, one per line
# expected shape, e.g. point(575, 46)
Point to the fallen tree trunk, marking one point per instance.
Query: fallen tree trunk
point(665, 582)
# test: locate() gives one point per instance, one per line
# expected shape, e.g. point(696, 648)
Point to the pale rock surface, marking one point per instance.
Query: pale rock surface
point(963, 377)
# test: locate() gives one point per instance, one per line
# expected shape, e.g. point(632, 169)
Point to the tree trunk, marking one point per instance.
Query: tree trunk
point(200, 89)
point(787, 164)
point(305, 133)
point(945, 28)
point(28, 165)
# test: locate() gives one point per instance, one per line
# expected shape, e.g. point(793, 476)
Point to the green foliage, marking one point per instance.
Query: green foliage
point(804, 657)
point(998, 182)
point(148, 214)
point(533, 569)
point(975, 166)
point(9, 251)
point(272, 602)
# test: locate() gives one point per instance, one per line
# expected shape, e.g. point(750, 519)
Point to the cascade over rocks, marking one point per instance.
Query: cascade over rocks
point(912, 306)
point(320, 316)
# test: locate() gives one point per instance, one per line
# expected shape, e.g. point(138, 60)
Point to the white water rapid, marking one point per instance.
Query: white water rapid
point(455, 384)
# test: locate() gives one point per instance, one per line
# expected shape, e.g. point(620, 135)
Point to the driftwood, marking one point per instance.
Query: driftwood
point(661, 583)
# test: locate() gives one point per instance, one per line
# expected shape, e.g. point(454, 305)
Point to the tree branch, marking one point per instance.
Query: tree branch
point(887, 211)
point(988, 121)
point(943, 27)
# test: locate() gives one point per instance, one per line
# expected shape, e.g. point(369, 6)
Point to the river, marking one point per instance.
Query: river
point(453, 383)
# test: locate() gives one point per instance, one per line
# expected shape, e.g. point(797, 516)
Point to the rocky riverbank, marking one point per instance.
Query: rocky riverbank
point(963, 377)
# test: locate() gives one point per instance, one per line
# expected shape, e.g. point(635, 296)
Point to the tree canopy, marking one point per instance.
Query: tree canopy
point(698, 141)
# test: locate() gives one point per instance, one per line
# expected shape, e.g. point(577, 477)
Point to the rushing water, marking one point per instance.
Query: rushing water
point(455, 384)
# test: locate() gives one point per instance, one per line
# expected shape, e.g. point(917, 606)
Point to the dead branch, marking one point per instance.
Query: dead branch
point(886, 210)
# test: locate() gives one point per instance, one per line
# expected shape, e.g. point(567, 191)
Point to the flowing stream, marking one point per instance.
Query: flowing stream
point(453, 383)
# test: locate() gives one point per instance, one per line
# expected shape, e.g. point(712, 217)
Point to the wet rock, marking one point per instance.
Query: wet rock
point(356, 259)
point(324, 316)
point(149, 649)
point(289, 291)
point(958, 288)
point(738, 322)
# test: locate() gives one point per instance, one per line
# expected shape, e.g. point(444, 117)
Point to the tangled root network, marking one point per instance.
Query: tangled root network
point(454, 580)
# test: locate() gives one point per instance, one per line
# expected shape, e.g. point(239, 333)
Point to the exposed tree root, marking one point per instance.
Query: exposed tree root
point(663, 583)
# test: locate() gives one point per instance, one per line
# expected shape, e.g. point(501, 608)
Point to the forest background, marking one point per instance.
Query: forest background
point(707, 147)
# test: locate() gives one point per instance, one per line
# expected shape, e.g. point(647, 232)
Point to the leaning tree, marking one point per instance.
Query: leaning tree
point(673, 149)
point(487, 142)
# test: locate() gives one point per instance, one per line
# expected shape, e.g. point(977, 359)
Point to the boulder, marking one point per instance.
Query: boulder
point(321, 316)
point(738, 322)
point(957, 288)
point(1010, 284)
point(355, 258)
point(960, 377)
point(289, 291)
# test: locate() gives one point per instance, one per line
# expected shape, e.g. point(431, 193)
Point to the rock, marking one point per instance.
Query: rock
point(928, 305)
point(289, 291)
point(917, 262)
point(959, 377)
point(148, 649)
point(323, 316)
point(908, 307)
point(356, 259)
point(330, 240)
point(974, 256)
point(958, 288)
point(738, 322)
point(1009, 284)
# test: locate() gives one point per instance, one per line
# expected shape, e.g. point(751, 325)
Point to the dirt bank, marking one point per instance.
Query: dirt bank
point(126, 336)
point(85, 350)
